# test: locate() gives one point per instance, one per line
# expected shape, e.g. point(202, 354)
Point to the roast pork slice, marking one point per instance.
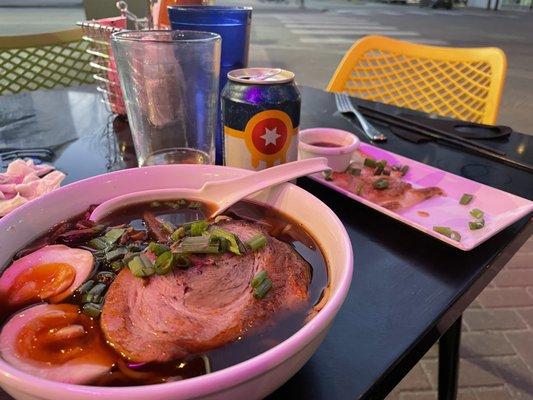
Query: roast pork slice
point(169, 317)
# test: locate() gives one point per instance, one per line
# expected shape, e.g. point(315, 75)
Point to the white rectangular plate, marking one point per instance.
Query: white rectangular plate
point(501, 208)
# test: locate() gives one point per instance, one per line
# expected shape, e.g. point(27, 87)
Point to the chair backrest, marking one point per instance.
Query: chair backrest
point(48, 60)
point(463, 83)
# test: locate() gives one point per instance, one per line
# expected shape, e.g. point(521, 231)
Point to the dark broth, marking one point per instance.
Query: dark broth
point(325, 144)
point(251, 343)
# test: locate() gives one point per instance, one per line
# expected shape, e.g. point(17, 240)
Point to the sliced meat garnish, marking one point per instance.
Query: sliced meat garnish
point(168, 317)
point(56, 342)
point(398, 195)
point(155, 227)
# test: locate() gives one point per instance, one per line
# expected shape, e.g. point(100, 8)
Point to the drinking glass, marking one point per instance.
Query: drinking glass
point(170, 84)
point(232, 24)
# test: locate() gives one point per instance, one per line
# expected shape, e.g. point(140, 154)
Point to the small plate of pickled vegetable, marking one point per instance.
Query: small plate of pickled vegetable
point(458, 211)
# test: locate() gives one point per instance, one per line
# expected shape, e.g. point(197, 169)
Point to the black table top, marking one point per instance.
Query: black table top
point(407, 289)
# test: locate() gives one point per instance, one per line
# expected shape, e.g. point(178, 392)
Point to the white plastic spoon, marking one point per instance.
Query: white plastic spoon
point(220, 195)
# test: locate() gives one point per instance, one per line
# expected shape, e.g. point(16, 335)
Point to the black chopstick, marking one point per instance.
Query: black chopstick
point(431, 129)
point(462, 143)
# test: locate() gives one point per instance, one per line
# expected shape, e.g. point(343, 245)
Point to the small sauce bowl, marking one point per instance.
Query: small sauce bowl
point(334, 144)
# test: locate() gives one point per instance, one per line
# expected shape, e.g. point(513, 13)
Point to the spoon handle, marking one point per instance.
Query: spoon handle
point(231, 191)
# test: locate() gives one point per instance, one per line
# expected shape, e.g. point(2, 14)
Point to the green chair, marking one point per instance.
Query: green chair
point(44, 61)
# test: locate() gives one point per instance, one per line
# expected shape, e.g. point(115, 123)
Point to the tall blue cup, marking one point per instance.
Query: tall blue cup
point(233, 25)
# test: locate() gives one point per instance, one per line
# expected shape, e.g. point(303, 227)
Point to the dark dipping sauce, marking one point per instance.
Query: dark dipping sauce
point(251, 343)
point(325, 144)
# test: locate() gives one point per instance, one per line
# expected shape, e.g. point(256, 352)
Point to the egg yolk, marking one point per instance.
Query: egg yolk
point(40, 283)
point(62, 336)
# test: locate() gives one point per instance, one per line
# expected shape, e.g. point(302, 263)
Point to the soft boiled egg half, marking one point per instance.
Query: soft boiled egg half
point(49, 274)
point(56, 342)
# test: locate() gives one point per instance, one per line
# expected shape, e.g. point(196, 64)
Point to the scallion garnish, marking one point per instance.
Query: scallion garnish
point(164, 263)
point(178, 234)
point(197, 228)
point(261, 290)
point(477, 213)
point(404, 170)
point(95, 294)
point(258, 278)
point(98, 243)
point(92, 310)
point(117, 265)
point(157, 248)
point(448, 232)
point(217, 232)
point(195, 205)
point(379, 169)
point(257, 242)
point(140, 266)
point(381, 184)
point(475, 225)
point(155, 204)
point(168, 226)
point(182, 261)
point(369, 162)
point(353, 169)
point(198, 244)
point(116, 254)
point(466, 199)
point(328, 175)
point(113, 235)
point(85, 287)
point(359, 189)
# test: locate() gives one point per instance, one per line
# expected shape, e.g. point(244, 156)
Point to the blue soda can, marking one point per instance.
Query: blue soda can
point(261, 118)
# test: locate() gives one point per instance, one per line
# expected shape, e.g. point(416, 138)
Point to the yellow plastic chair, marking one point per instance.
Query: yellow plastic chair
point(48, 60)
point(463, 83)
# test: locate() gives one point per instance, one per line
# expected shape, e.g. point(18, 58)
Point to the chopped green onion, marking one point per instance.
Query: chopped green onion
point(466, 199)
point(95, 294)
point(353, 169)
point(105, 277)
point(369, 162)
point(257, 242)
point(155, 204)
point(328, 175)
point(182, 261)
point(475, 225)
point(262, 289)
point(85, 287)
point(164, 263)
point(444, 230)
point(217, 232)
point(198, 244)
point(113, 235)
point(157, 248)
point(197, 228)
point(92, 310)
point(136, 247)
point(477, 213)
point(195, 205)
point(172, 204)
point(404, 170)
point(386, 172)
point(98, 243)
point(116, 254)
point(168, 226)
point(258, 278)
point(140, 266)
point(381, 184)
point(117, 265)
point(359, 189)
point(178, 234)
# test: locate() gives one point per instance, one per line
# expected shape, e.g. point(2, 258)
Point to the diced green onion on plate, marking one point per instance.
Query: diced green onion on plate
point(477, 213)
point(157, 248)
point(164, 263)
point(257, 242)
point(92, 310)
point(475, 225)
point(381, 184)
point(466, 199)
point(261, 290)
point(258, 278)
point(448, 232)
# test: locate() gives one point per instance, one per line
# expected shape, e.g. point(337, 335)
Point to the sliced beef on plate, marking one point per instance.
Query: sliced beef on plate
point(168, 317)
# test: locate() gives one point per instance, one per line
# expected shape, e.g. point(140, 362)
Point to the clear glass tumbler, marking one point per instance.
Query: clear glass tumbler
point(170, 83)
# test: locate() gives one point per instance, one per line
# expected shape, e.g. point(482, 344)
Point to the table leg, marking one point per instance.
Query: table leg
point(449, 361)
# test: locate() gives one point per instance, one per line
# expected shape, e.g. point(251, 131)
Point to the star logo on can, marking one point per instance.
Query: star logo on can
point(268, 136)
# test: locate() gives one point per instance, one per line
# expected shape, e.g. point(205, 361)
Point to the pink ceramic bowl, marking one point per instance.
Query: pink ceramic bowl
point(251, 379)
